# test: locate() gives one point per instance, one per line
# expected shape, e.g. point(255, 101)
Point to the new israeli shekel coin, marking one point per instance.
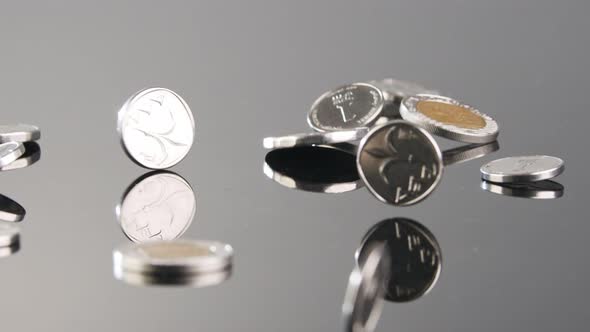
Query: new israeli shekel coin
point(449, 118)
point(400, 163)
point(351, 106)
point(157, 128)
point(522, 169)
point(9, 152)
point(19, 133)
point(311, 139)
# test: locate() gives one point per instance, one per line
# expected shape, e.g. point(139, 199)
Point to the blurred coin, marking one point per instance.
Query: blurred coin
point(157, 206)
point(469, 152)
point(352, 106)
point(395, 90)
point(545, 189)
point(11, 210)
point(522, 169)
point(32, 155)
point(10, 152)
point(449, 118)
point(323, 168)
point(416, 258)
point(10, 250)
point(19, 133)
point(166, 279)
point(330, 138)
point(363, 300)
point(9, 235)
point(400, 163)
point(157, 128)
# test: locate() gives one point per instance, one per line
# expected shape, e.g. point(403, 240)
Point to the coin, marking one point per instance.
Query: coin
point(449, 118)
point(10, 152)
point(346, 136)
point(159, 205)
point(32, 155)
point(19, 133)
point(352, 106)
point(400, 163)
point(522, 169)
point(323, 168)
point(197, 280)
point(177, 257)
point(545, 189)
point(156, 127)
point(363, 300)
point(9, 235)
point(469, 152)
point(395, 90)
point(416, 258)
point(11, 210)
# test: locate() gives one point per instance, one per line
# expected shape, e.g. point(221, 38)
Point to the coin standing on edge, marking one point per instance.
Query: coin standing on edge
point(10, 152)
point(352, 106)
point(310, 139)
point(522, 169)
point(19, 133)
point(9, 235)
point(449, 118)
point(157, 128)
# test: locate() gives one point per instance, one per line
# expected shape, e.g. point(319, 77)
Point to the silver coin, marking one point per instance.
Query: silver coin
point(157, 128)
point(395, 90)
point(449, 118)
point(363, 301)
point(9, 152)
point(401, 164)
point(352, 106)
point(19, 133)
point(416, 258)
point(9, 235)
point(545, 189)
point(177, 257)
point(10, 210)
point(469, 152)
point(346, 136)
point(522, 169)
point(32, 155)
point(322, 169)
point(199, 280)
point(157, 206)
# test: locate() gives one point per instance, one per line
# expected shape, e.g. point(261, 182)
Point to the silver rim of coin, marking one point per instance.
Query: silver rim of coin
point(9, 235)
point(400, 163)
point(19, 133)
point(159, 205)
point(545, 189)
point(178, 257)
point(197, 280)
point(352, 106)
point(363, 301)
point(32, 155)
point(522, 169)
point(469, 152)
point(9, 152)
point(409, 111)
point(10, 210)
point(156, 127)
point(308, 139)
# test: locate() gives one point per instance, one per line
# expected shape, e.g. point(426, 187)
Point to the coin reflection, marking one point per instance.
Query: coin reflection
point(322, 169)
point(546, 189)
point(416, 259)
point(159, 205)
point(32, 155)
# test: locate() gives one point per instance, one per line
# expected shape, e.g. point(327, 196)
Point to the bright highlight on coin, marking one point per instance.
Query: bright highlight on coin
point(311, 139)
point(522, 169)
point(19, 133)
point(157, 128)
point(10, 210)
point(31, 155)
point(10, 152)
point(545, 189)
point(449, 118)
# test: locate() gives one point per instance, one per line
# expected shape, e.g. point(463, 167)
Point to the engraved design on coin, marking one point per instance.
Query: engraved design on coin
point(156, 128)
point(352, 106)
point(400, 163)
point(158, 206)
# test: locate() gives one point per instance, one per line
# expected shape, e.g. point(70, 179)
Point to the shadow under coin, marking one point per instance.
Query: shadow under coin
point(546, 189)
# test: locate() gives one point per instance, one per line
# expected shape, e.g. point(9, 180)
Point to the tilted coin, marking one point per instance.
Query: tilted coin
point(363, 300)
point(469, 152)
point(416, 258)
point(157, 128)
point(9, 235)
point(11, 210)
point(352, 106)
point(400, 163)
point(19, 133)
point(10, 250)
point(346, 136)
point(199, 280)
point(522, 169)
point(545, 189)
point(32, 155)
point(323, 168)
point(9, 152)
point(449, 118)
point(157, 206)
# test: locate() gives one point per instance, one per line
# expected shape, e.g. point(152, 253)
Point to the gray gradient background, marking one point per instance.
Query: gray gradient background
point(250, 69)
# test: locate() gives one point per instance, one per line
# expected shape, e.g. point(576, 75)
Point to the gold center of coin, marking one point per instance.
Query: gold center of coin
point(451, 114)
point(175, 250)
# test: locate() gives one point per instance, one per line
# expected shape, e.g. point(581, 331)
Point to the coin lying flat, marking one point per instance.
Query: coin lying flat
point(352, 106)
point(32, 155)
point(416, 259)
point(545, 189)
point(157, 128)
point(522, 169)
point(323, 169)
point(310, 139)
point(19, 133)
point(363, 301)
point(469, 152)
point(10, 210)
point(9, 235)
point(9, 152)
point(157, 206)
point(449, 118)
point(400, 163)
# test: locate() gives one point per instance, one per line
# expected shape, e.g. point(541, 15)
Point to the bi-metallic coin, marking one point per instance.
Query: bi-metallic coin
point(9, 152)
point(19, 133)
point(522, 169)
